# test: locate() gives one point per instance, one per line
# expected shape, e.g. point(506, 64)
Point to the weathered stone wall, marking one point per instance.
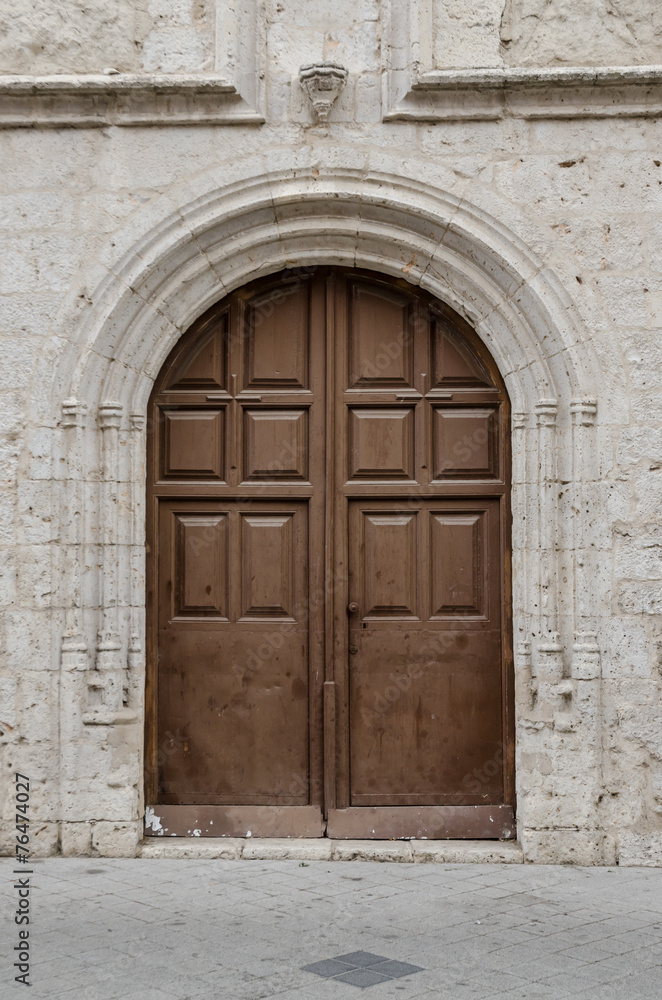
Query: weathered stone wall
point(581, 32)
point(132, 36)
point(546, 32)
point(546, 234)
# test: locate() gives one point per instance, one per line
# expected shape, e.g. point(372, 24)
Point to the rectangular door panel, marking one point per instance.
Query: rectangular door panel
point(425, 693)
point(458, 549)
point(276, 339)
point(423, 719)
point(381, 347)
point(234, 692)
point(267, 564)
point(201, 566)
point(387, 576)
point(237, 702)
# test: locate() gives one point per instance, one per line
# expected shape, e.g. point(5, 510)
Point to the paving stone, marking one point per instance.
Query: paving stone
point(208, 929)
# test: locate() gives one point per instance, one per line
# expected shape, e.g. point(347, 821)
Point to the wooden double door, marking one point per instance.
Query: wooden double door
point(328, 598)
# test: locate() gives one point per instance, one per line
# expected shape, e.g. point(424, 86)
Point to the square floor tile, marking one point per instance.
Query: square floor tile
point(361, 959)
point(328, 967)
point(362, 978)
point(361, 968)
point(395, 970)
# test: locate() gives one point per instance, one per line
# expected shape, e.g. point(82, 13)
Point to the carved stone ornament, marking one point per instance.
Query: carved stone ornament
point(322, 82)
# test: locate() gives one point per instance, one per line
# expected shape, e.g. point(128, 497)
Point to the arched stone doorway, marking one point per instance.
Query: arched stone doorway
point(328, 578)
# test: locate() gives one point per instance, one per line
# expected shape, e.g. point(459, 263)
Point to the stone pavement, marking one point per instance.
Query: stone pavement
point(172, 929)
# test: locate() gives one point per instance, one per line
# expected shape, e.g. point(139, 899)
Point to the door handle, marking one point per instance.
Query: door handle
point(352, 607)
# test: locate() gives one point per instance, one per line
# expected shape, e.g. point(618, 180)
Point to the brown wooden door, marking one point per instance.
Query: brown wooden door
point(328, 570)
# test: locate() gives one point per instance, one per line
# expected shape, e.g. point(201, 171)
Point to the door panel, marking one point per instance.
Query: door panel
point(329, 601)
point(275, 444)
point(233, 672)
point(381, 443)
point(425, 689)
point(193, 444)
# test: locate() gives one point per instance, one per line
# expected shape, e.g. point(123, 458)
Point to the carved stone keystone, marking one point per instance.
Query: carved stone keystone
point(322, 82)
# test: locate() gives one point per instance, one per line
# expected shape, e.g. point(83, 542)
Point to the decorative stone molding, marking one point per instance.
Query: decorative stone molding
point(107, 682)
point(518, 420)
point(73, 413)
point(417, 91)
point(586, 657)
point(322, 83)
point(74, 650)
point(527, 670)
point(124, 99)
point(546, 412)
point(584, 412)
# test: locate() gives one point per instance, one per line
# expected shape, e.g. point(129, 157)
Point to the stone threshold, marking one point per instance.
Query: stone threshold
point(403, 851)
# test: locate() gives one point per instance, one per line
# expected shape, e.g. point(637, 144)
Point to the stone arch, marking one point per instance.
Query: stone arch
point(218, 239)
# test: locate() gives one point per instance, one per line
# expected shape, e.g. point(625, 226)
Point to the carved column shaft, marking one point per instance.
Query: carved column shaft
point(108, 681)
point(74, 645)
point(136, 652)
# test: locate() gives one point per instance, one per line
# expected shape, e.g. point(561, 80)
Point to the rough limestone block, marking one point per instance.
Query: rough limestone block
point(76, 840)
point(116, 840)
point(226, 849)
point(565, 847)
point(466, 851)
point(640, 849)
point(283, 849)
point(44, 839)
point(371, 850)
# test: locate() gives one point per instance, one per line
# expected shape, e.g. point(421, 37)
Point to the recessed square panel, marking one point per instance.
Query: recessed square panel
point(200, 569)
point(267, 570)
point(193, 444)
point(465, 443)
point(277, 331)
point(275, 444)
point(389, 566)
point(381, 443)
point(457, 560)
point(381, 342)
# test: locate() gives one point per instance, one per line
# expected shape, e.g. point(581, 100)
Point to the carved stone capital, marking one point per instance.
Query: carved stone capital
point(74, 652)
point(322, 83)
point(546, 411)
point(73, 413)
point(518, 420)
point(110, 415)
point(584, 412)
point(586, 656)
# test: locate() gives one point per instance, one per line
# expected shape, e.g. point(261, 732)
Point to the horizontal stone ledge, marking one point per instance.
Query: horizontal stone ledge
point(537, 76)
point(121, 99)
point(399, 851)
point(532, 92)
